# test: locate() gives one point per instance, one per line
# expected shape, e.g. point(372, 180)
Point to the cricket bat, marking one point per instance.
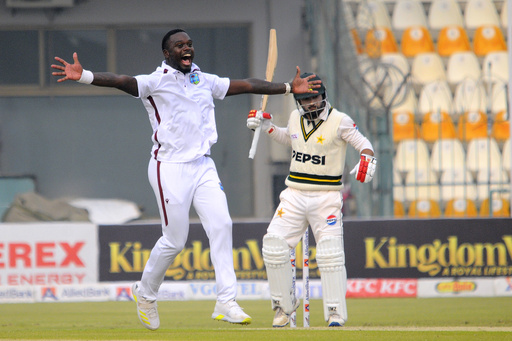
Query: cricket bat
point(269, 74)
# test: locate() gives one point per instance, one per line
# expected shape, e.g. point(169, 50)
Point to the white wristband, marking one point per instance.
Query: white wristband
point(288, 88)
point(87, 77)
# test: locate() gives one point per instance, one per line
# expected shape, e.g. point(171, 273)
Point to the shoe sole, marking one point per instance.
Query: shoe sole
point(139, 313)
point(223, 318)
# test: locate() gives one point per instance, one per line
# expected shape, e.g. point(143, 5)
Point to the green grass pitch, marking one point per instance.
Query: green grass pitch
point(369, 319)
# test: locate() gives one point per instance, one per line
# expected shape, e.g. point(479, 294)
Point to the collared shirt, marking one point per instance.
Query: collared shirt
point(181, 111)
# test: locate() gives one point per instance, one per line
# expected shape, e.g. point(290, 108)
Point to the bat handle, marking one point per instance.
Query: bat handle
point(254, 144)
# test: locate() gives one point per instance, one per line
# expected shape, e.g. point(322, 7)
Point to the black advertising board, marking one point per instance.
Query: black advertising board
point(420, 248)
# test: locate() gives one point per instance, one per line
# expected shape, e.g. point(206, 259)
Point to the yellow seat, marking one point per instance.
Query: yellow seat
point(452, 39)
point(458, 208)
point(380, 41)
point(358, 45)
point(424, 209)
point(500, 208)
point(404, 126)
point(472, 125)
point(501, 127)
point(398, 208)
point(416, 40)
point(437, 125)
point(487, 39)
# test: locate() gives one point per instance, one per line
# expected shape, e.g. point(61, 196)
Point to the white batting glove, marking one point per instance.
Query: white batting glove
point(257, 118)
point(365, 168)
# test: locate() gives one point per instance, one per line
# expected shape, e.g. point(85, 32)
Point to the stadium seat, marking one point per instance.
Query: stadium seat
point(408, 13)
point(495, 67)
point(411, 155)
point(443, 13)
point(435, 96)
point(427, 68)
point(437, 125)
point(492, 181)
point(457, 183)
point(470, 95)
point(462, 65)
point(404, 126)
point(500, 130)
point(421, 184)
point(487, 39)
point(398, 60)
point(504, 16)
point(358, 45)
point(500, 208)
point(447, 154)
point(424, 209)
point(472, 125)
point(483, 153)
point(416, 40)
point(398, 209)
point(407, 102)
point(499, 97)
point(452, 39)
point(371, 14)
point(460, 208)
point(398, 187)
point(506, 156)
point(379, 41)
point(480, 12)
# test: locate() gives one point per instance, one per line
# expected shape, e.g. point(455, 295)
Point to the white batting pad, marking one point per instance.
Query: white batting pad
point(330, 258)
point(276, 255)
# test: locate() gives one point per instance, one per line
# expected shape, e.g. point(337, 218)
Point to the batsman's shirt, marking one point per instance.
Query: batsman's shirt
point(319, 149)
point(181, 111)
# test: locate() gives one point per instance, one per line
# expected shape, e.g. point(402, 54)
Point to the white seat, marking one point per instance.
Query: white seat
point(504, 15)
point(421, 184)
point(462, 65)
point(399, 62)
point(398, 187)
point(495, 67)
point(499, 97)
point(444, 13)
point(447, 154)
point(434, 97)
point(457, 183)
point(480, 12)
point(371, 14)
point(411, 155)
point(408, 102)
point(506, 156)
point(426, 68)
point(470, 95)
point(483, 153)
point(408, 13)
point(493, 181)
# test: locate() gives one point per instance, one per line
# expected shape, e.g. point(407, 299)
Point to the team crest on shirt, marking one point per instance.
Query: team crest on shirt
point(331, 220)
point(194, 78)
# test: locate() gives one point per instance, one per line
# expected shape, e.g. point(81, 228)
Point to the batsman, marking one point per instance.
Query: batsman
point(318, 135)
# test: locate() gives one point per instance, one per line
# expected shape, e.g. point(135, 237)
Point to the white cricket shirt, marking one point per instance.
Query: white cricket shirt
point(181, 111)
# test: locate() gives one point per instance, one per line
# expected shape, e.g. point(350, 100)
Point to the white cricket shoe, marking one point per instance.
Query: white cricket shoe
point(281, 319)
point(147, 310)
point(230, 312)
point(335, 320)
